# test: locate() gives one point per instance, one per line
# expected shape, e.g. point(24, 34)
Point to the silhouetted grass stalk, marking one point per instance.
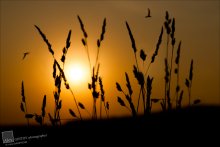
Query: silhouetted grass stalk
point(99, 41)
point(102, 100)
point(84, 41)
point(168, 31)
point(166, 78)
point(138, 75)
point(95, 70)
point(149, 88)
point(176, 71)
point(127, 96)
point(121, 102)
point(132, 43)
point(171, 62)
point(67, 86)
point(148, 103)
point(84, 108)
point(138, 100)
point(188, 82)
point(74, 98)
point(43, 111)
point(24, 107)
point(149, 81)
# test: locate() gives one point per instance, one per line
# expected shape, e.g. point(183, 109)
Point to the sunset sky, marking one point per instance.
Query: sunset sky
point(197, 26)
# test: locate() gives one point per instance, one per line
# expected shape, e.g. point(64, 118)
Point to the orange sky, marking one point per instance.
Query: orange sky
point(197, 25)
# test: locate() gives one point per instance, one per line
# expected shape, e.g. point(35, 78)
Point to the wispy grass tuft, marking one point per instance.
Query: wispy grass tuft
point(127, 96)
point(139, 76)
point(55, 120)
point(23, 106)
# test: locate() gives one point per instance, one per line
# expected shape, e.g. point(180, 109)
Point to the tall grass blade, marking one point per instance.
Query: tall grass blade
point(82, 27)
point(103, 30)
point(149, 88)
point(157, 46)
point(22, 92)
point(43, 106)
point(68, 39)
point(131, 37)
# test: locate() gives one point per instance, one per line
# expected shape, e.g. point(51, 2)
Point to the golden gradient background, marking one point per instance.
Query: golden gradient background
point(197, 25)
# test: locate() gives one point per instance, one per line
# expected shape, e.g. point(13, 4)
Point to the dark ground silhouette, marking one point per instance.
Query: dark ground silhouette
point(200, 124)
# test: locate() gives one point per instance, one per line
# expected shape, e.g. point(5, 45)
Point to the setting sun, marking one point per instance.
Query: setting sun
point(75, 73)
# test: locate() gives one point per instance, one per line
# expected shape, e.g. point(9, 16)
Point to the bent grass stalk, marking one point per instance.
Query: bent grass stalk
point(60, 69)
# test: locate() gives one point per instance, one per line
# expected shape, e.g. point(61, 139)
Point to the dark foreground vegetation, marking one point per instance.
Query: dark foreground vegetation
point(174, 125)
point(199, 124)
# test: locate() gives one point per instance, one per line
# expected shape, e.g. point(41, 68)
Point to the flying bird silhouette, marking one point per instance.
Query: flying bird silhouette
point(25, 54)
point(148, 15)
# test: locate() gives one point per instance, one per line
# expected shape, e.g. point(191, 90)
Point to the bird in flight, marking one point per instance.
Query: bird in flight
point(148, 15)
point(25, 54)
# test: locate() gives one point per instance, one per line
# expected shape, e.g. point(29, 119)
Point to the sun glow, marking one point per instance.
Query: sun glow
point(75, 73)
